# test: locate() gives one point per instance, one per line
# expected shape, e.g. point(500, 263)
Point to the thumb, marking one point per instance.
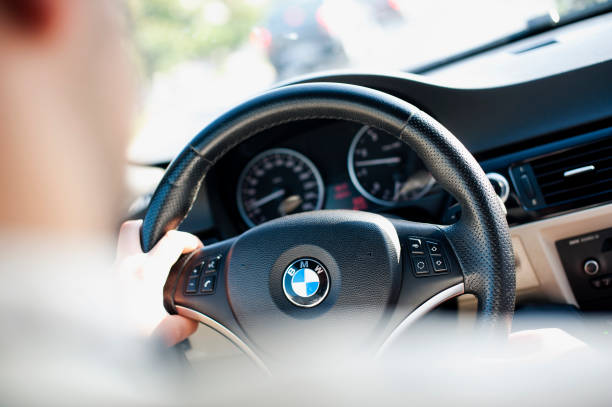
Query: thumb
point(174, 243)
point(174, 329)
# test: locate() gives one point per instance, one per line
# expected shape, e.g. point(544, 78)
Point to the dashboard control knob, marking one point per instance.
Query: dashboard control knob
point(591, 267)
point(500, 184)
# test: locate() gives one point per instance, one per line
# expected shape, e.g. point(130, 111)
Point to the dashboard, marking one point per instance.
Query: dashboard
point(508, 129)
point(545, 139)
point(549, 140)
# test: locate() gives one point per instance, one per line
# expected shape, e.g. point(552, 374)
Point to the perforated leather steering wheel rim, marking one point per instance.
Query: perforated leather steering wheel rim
point(481, 237)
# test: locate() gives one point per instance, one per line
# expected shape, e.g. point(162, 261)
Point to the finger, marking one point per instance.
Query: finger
point(128, 243)
point(174, 243)
point(174, 329)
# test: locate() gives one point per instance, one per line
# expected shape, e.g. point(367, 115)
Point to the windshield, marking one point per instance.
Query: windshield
point(200, 57)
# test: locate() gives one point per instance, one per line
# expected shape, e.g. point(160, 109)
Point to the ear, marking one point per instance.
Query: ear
point(34, 18)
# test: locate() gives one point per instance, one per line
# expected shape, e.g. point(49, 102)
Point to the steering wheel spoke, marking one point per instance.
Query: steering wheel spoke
point(431, 275)
point(197, 288)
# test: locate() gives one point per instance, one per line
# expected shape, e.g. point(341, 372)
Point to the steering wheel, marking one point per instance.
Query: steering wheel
point(335, 275)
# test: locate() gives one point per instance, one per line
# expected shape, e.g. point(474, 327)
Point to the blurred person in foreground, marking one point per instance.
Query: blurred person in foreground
point(75, 332)
point(72, 325)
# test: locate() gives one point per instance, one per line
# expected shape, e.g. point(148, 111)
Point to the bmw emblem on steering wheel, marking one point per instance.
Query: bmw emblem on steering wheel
point(306, 282)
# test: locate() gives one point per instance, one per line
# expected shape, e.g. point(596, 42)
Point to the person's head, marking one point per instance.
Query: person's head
point(66, 105)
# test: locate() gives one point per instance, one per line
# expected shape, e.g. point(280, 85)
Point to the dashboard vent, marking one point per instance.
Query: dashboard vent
point(579, 173)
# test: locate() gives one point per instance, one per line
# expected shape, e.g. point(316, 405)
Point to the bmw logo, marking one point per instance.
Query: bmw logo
point(306, 282)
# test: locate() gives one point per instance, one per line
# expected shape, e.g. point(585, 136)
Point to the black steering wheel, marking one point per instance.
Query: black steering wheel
point(304, 274)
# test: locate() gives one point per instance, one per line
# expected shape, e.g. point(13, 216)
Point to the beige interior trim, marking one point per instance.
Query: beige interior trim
point(526, 277)
point(539, 270)
point(537, 250)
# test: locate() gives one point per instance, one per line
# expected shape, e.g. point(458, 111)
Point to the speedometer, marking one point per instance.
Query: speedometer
point(385, 170)
point(278, 182)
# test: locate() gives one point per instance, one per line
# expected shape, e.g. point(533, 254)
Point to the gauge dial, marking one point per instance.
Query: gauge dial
point(385, 170)
point(278, 182)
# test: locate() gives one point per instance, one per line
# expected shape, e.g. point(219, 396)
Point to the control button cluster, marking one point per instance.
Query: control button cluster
point(202, 279)
point(602, 282)
point(427, 256)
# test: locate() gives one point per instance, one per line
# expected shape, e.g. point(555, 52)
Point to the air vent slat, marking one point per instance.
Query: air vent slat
point(559, 187)
point(603, 196)
point(571, 164)
point(557, 175)
point(566, 162)
point(567, 155)
point(578, 188)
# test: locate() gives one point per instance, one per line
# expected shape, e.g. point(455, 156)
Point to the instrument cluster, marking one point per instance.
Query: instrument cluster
point(278, 181)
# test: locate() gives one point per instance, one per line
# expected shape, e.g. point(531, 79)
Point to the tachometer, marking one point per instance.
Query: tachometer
point(278, 182)
point(385, 170)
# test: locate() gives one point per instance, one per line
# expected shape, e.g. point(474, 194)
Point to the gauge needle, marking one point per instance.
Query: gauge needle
point(421, 180)
point(378, 161)
point(289, 204)
point(391, 146)
point(397, 190)
point(267, 198)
